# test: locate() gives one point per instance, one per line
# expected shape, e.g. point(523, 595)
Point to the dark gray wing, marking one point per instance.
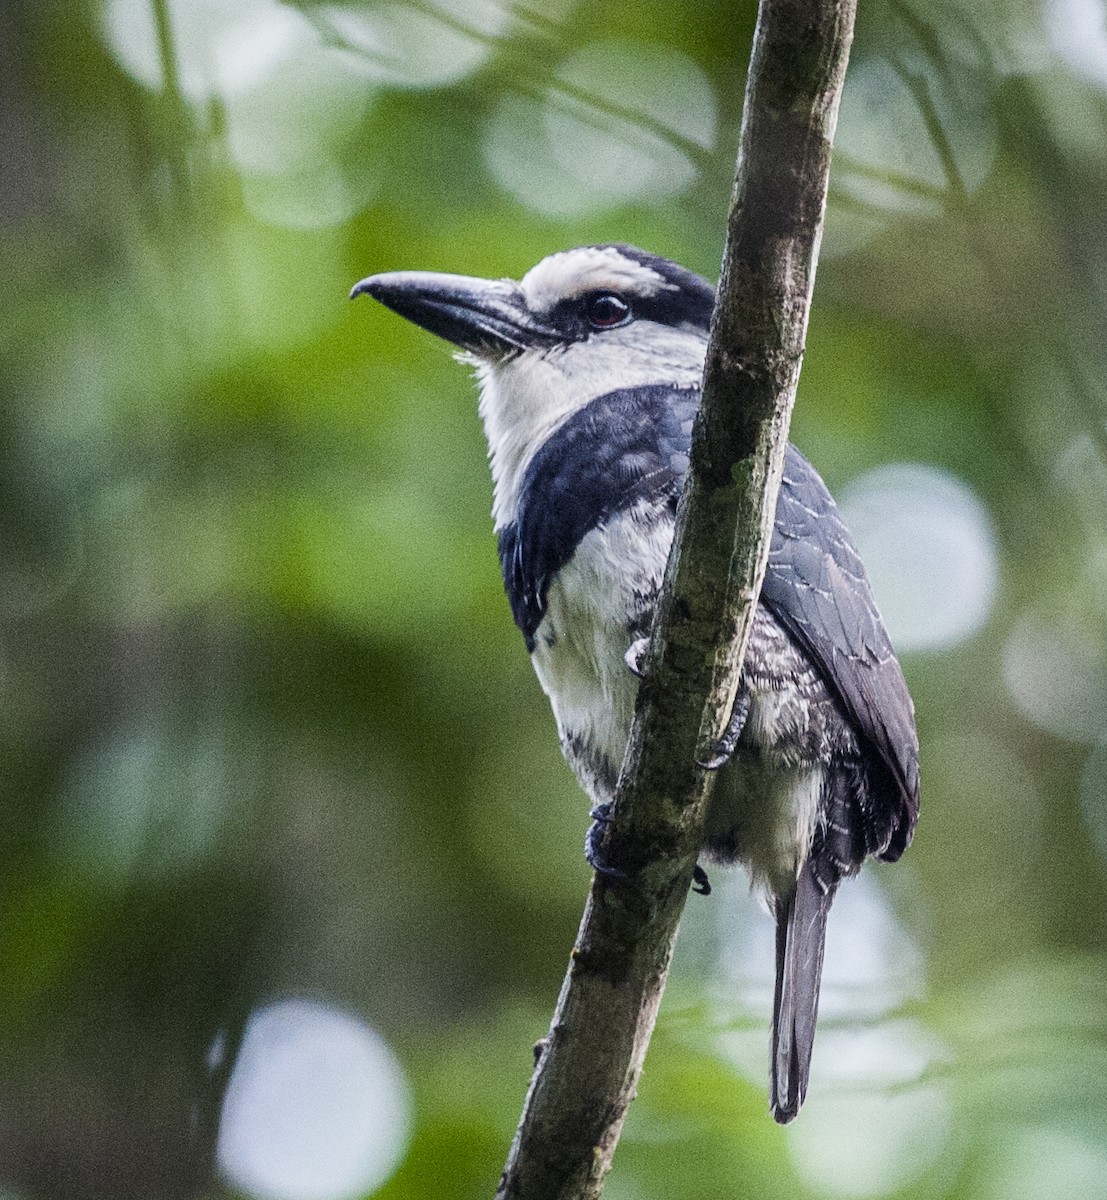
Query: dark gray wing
point(818, 590)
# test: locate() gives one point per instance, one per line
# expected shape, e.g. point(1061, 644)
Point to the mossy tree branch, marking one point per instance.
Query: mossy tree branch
point(589, 1065)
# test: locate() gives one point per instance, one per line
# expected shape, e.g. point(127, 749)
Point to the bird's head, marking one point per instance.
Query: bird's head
point(578, 325)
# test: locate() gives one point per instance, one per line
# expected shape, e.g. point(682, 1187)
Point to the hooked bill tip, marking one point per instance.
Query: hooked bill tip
point(364, 288)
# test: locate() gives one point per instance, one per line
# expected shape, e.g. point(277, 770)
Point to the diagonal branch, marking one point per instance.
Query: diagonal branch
point(589, 1065)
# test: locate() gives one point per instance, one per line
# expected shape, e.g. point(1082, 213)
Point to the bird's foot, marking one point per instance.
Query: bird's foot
point(635, 656)
point(701, 885)
point(725, 746)
point(593, 843)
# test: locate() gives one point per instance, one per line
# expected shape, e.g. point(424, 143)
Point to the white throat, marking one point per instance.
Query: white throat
point(524, 399)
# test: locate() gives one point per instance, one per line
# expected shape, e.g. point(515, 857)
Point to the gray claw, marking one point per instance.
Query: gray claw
point(726, 745)
point(634, 656)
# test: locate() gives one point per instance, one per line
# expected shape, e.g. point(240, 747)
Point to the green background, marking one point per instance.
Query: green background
point(266, 728)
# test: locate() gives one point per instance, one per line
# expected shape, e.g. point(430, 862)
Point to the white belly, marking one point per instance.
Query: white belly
point(766, 801)
point(592, 609)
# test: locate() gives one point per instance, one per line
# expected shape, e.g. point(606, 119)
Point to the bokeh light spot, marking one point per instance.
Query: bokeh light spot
point(310, 96)
point(886, 161)
point(197, 27)
point(871, 1123)
point(310, 197)
point(430, 45)
point(624, 122)
point(1055, 669)
point(257, 45)
point(292, 98)
point(1077, 31)
point(872, 963)
point(928, 544)
point(292, 105)
point(883, 129)
point(871, 1143)
point(221, 46)
point(317, 1108)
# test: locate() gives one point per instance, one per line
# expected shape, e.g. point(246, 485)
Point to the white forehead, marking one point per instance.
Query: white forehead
point(589, 269)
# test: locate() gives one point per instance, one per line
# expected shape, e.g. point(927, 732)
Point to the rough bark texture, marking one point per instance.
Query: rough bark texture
point(589, 1065)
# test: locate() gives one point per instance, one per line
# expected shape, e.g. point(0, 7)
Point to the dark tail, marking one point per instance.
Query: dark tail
point(800, 933)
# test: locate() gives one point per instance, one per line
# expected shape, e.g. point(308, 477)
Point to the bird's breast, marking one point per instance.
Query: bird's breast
point(766, 802)
point(598, 603)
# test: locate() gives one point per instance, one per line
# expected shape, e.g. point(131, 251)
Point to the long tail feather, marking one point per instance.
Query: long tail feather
point(800, 935)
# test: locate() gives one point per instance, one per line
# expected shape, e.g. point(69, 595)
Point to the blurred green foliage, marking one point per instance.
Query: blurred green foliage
point(267, 728)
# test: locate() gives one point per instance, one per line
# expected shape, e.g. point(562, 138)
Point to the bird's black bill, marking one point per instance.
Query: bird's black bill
point(487, 317)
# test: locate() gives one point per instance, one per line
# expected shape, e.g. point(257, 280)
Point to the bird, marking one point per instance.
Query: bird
point(589, 373)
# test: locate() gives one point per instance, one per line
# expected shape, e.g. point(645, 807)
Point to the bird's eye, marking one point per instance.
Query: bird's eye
point(605, 310)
